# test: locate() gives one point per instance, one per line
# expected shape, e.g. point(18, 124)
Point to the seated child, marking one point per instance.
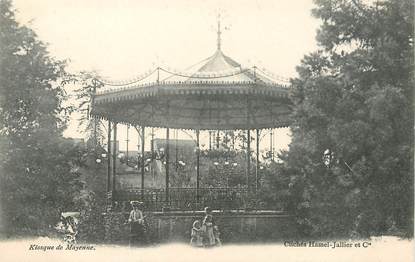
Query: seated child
point(196, 239)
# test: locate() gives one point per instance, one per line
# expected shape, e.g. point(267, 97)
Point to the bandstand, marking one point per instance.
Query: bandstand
point(216, 94)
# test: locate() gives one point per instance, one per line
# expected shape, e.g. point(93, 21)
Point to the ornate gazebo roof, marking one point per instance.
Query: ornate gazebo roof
point(218, 94)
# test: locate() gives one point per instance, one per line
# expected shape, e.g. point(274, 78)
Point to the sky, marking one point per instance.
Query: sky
point(125, 38)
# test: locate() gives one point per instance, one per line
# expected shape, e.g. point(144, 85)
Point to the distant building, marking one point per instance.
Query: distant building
point(183, 145)
point(78, 140)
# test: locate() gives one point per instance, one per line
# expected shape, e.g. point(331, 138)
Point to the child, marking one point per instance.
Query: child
point(216, 233)
point(208, 223)
point(196, 235)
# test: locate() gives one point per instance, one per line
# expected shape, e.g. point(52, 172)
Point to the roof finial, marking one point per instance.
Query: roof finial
point(219, 33)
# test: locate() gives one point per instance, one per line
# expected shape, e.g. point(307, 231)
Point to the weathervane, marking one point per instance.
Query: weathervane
point(219, 29)
point(219, 33)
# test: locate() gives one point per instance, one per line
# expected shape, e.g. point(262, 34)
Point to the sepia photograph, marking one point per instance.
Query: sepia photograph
point(240, 130)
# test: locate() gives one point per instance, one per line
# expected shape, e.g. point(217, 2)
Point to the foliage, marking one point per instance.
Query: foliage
point(92, 126)
point(220, 168)
point(38, 177)
point(350, 160)
point(91, 223)
point(273, 192)
point(91, 200)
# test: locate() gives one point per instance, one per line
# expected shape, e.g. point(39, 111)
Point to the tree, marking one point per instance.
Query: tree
point(92, 126)
point(38, 177)
point(350, 160)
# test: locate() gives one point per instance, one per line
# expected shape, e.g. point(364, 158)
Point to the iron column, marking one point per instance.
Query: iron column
point(152, 152)
point(126, 157)
point(109, 157)
point(197, 166)
point(114, 158)
point(248, 157)
point(257, 160)
point(270, 145)
point(142, 160)
point(176, 150)
point(167, 163)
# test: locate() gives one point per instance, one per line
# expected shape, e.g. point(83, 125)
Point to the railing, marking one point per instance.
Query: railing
point(185, 198)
